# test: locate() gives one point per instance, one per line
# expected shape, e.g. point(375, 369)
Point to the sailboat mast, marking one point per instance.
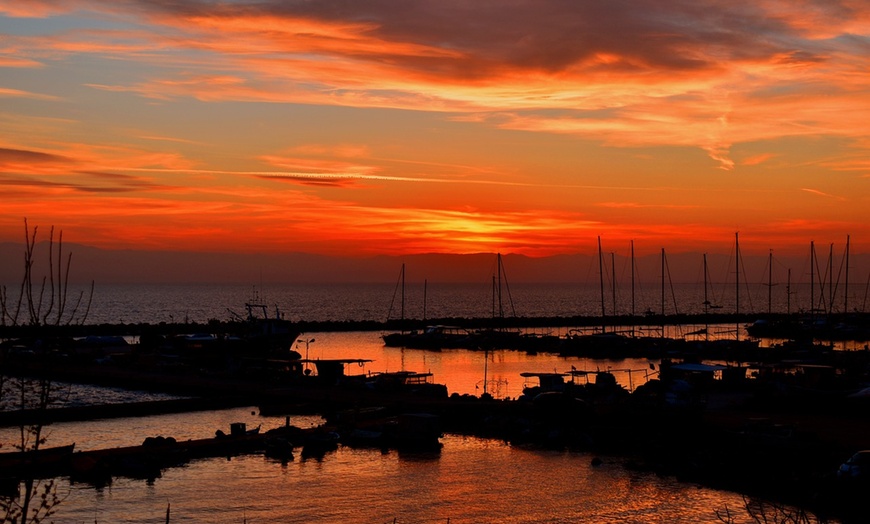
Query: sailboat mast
point(663, 284)
point(632, 278)
point(500, 303)
point(737, 272)
point(737, 280)
point(485, 366)
point(403, 295)
point(601, 283)
point(706, 299)
point(769, 281)
point(425, 287)
point(663, 293)
point(706, 303)
point(812, 278)
point(493, 296)
point(613, 281)
point(846, 299)
point(831, 279)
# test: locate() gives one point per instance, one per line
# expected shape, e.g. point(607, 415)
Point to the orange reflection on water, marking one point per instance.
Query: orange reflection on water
point(463, 371)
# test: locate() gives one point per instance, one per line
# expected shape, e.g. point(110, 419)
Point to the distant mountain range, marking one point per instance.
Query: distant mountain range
point(131, 266)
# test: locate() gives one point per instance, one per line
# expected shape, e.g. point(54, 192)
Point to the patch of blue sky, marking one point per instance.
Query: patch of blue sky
point(15, 26)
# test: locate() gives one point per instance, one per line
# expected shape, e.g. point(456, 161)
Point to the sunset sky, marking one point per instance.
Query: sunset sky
point(356, 128)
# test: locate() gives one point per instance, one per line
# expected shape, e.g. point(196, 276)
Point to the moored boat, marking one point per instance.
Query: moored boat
point(35, 461)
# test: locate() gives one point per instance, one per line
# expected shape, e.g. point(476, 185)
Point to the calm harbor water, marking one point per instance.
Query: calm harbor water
point(470, 481)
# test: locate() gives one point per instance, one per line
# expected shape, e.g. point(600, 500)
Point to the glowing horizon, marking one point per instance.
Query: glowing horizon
point(419, 127)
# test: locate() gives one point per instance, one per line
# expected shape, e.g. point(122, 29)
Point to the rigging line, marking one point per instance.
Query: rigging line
point(830, 275)
point(837, 282)
point(803, 271)
point(601, 284)
point(770, 284)
point(768, 270)
point(613, 284)
point(746, 282)
point(507, 288)
point(671, 284)
point(726, 285)
point(609, 282)
point(714, 299)
point(638, 283)
point(667, 267)
point(625, 270)
point(823, 277)
point(866, 289)
point(395, 291)
point(699, 275)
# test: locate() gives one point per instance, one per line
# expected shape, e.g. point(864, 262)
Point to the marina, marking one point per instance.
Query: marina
point(502, 374)
point(682, 397)
point(424, 262)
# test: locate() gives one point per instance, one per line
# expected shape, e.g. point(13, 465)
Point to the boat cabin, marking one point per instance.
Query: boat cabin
point(333, 370)
point(406, 382)
point(541, 382)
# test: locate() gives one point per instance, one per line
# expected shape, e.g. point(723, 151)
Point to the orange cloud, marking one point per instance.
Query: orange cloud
point(820, 193)
point(17, 93)
point(636, 205)
point(34, 8)
point(757, 159)
point(703, 85)
point(507, 85)
point(10, 61)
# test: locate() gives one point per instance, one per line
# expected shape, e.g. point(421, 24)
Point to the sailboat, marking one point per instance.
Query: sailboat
point(707, 303)
point(734, 349)
point(434, 337)
point(398, 339)
point(498, 336)
point(790, 327)
point(604, 343)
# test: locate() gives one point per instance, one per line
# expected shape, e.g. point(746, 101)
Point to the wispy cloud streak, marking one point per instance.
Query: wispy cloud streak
point(433, 124)
point(678, 73)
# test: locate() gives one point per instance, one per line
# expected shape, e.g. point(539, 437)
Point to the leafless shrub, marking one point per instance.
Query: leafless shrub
point(45, 300)
point(765, 512)
point(40, 303)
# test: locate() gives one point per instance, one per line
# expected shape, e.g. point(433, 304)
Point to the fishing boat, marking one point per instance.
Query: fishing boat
point(406, 382)
point(245, 341)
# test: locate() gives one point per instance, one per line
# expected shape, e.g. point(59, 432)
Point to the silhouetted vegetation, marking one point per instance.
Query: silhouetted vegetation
point(41, 303)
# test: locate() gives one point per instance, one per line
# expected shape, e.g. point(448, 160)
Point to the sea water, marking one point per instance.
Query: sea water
point(113, 303)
